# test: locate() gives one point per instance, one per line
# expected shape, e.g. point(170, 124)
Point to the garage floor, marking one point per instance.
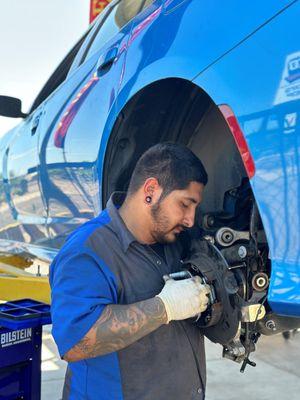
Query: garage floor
point(276, 377)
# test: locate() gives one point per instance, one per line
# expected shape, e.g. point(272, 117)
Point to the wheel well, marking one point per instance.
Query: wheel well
point(179, 111)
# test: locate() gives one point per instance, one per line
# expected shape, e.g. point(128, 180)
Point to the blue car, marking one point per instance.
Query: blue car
point(223, 78)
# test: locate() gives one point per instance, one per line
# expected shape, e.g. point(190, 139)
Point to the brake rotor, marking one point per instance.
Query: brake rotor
point(220, 322)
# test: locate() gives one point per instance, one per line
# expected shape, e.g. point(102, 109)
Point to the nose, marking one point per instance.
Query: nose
point(189, 219)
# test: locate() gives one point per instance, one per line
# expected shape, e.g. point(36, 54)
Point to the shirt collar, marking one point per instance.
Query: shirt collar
point(125, 236)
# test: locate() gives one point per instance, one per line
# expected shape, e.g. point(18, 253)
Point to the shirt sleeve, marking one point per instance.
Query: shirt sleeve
point(81, 286)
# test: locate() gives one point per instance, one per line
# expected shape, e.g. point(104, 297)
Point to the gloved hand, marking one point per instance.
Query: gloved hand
point(184, 298)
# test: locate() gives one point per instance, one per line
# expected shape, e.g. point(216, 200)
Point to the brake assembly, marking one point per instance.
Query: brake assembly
point(229, 252)
point(227, 316)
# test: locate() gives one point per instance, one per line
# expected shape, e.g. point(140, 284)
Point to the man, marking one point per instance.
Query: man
point(121, 328)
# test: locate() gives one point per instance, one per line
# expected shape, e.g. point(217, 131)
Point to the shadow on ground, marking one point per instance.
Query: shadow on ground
point(276, 376)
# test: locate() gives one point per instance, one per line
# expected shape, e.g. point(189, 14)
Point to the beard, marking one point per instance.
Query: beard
point(162, 227)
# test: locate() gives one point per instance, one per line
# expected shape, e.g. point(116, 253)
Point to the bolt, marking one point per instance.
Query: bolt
point(227, 237)
point(261, 281)
point(210, 220)
point(271, 325)
point(242, 251)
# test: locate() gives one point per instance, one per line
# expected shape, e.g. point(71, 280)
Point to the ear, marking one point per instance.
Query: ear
point(151, 188)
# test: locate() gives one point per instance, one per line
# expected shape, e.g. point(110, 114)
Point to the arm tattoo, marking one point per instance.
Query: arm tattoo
point(118, 327)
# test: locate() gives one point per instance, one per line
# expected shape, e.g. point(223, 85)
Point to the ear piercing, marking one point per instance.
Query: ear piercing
point(148, 199)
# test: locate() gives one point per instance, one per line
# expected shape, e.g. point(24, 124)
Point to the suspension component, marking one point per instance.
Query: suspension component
point(226, 236)
point(260, 281)
point(252, 312)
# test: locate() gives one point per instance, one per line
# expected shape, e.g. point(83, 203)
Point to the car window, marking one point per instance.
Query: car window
point(146, 4)
point(118, 16)
point(94, 29)
point(60, 74)
point(108, 23)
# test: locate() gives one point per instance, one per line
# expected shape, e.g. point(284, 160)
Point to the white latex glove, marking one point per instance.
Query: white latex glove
point(184, 298)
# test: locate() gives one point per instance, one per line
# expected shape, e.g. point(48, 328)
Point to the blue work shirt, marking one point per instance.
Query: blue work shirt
point(102, 263)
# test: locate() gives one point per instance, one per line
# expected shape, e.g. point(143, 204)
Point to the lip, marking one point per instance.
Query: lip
point(178, 230)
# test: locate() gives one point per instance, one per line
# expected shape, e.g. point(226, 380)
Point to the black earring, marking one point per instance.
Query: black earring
point(148, 199)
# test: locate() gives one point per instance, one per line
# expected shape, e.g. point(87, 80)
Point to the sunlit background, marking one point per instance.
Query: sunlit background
point(35, 36)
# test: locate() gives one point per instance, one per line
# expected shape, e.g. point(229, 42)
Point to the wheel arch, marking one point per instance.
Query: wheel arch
point(173, 109)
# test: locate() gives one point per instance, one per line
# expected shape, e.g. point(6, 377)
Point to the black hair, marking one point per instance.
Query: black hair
point(173, 165)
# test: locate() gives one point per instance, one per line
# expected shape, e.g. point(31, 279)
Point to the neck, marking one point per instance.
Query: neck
point(136, 220)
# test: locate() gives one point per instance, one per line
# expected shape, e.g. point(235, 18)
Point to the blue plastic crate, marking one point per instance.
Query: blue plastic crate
point(20, 348)
point(24, 313)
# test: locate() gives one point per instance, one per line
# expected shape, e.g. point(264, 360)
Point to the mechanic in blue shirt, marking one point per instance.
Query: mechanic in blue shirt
point(122, 329)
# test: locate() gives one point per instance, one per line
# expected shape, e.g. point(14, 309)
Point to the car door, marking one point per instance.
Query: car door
point(22, 203)
point(74, 122)
point(26, 222)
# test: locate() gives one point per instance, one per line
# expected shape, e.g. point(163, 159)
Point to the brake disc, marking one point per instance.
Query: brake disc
point(220, 322)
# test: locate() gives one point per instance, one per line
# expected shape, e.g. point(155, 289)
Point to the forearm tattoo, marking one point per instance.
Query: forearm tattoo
point(118, 327)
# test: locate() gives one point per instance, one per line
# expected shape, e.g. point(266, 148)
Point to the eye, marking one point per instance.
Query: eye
point(183, 205)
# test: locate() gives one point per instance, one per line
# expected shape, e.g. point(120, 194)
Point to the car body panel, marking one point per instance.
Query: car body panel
point(25, 212)
point(269, 120)
point(184, 33)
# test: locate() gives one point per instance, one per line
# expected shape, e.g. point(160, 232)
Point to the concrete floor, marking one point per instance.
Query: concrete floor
point(276, 377)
